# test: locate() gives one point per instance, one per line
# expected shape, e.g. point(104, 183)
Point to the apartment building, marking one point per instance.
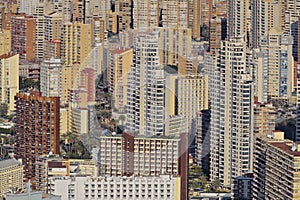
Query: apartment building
point(202, 152)
point(174, 43)
point(23, 34)
point(231, 113)
point(146, 114)
point(27, 6)
point(52, 49)
point(126, 155)
point(164, 187)
point(119, 63)
point(276, 160)
point(243, 187)
point(5, 41)
point(264, 118)
point(30, 70)
point(192, 97)
point(9, 80)
point(38, 133)
point(217, 32)
point(187, 65)
point(274, 65)
point(53, 25)
point(145, 14)
point(11, 176)
point(123, 8)
point(76, 35)
point(40, 10)
point(238, 19)
point(57, 167)
point(51, 78)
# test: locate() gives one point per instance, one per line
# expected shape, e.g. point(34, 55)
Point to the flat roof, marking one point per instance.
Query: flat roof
point(8, 163)
point(285, 147)
point(120, 50)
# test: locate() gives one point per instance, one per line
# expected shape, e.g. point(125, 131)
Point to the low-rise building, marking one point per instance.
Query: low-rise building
point(164, 187)
point(242, 187)
point(47, 167)
point(127, 155)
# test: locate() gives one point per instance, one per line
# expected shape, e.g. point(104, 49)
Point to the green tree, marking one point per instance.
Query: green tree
point(215, 186)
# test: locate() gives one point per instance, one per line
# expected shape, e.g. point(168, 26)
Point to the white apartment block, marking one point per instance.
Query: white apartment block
point(274, 66)
point(231, 114)
point(147, 156)
point(27, 6)
point(51, 78)
point(164, 187)
point(146, 88)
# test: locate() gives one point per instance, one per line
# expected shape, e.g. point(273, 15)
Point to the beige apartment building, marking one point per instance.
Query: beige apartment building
point(5, 41)
point(192, 97)
point(11, 176)
point(9, 66)
point(264, 118)
point(173, 44)
point(76, 42)
point(53, 25)
point(276, 167)
point(119, 63)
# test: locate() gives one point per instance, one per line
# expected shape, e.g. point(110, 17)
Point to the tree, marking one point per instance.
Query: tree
point(29, 83)
point(3, 109)
point(215, 186)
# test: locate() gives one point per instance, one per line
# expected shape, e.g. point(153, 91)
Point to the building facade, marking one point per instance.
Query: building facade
point(38, 133)
point(11, 176)
point(276, 160)
point(231, 113)
point(192, 97)
point(126, 155)
point(145, 115)
point(23, 34)
point(9, 68)
point(120, 61)
point(264, 118)
point(165, 187)
point(51, 78)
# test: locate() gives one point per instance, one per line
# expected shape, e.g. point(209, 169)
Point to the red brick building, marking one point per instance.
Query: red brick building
point(23, 35)
point(37, 129)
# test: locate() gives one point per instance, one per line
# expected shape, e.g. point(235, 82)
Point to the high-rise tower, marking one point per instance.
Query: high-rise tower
point(145, 97)
point(238, 17)
point(231, 113)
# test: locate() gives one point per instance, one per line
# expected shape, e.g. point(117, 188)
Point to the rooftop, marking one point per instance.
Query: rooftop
point(8, 163)
point(287, 147)
point(120, 50)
